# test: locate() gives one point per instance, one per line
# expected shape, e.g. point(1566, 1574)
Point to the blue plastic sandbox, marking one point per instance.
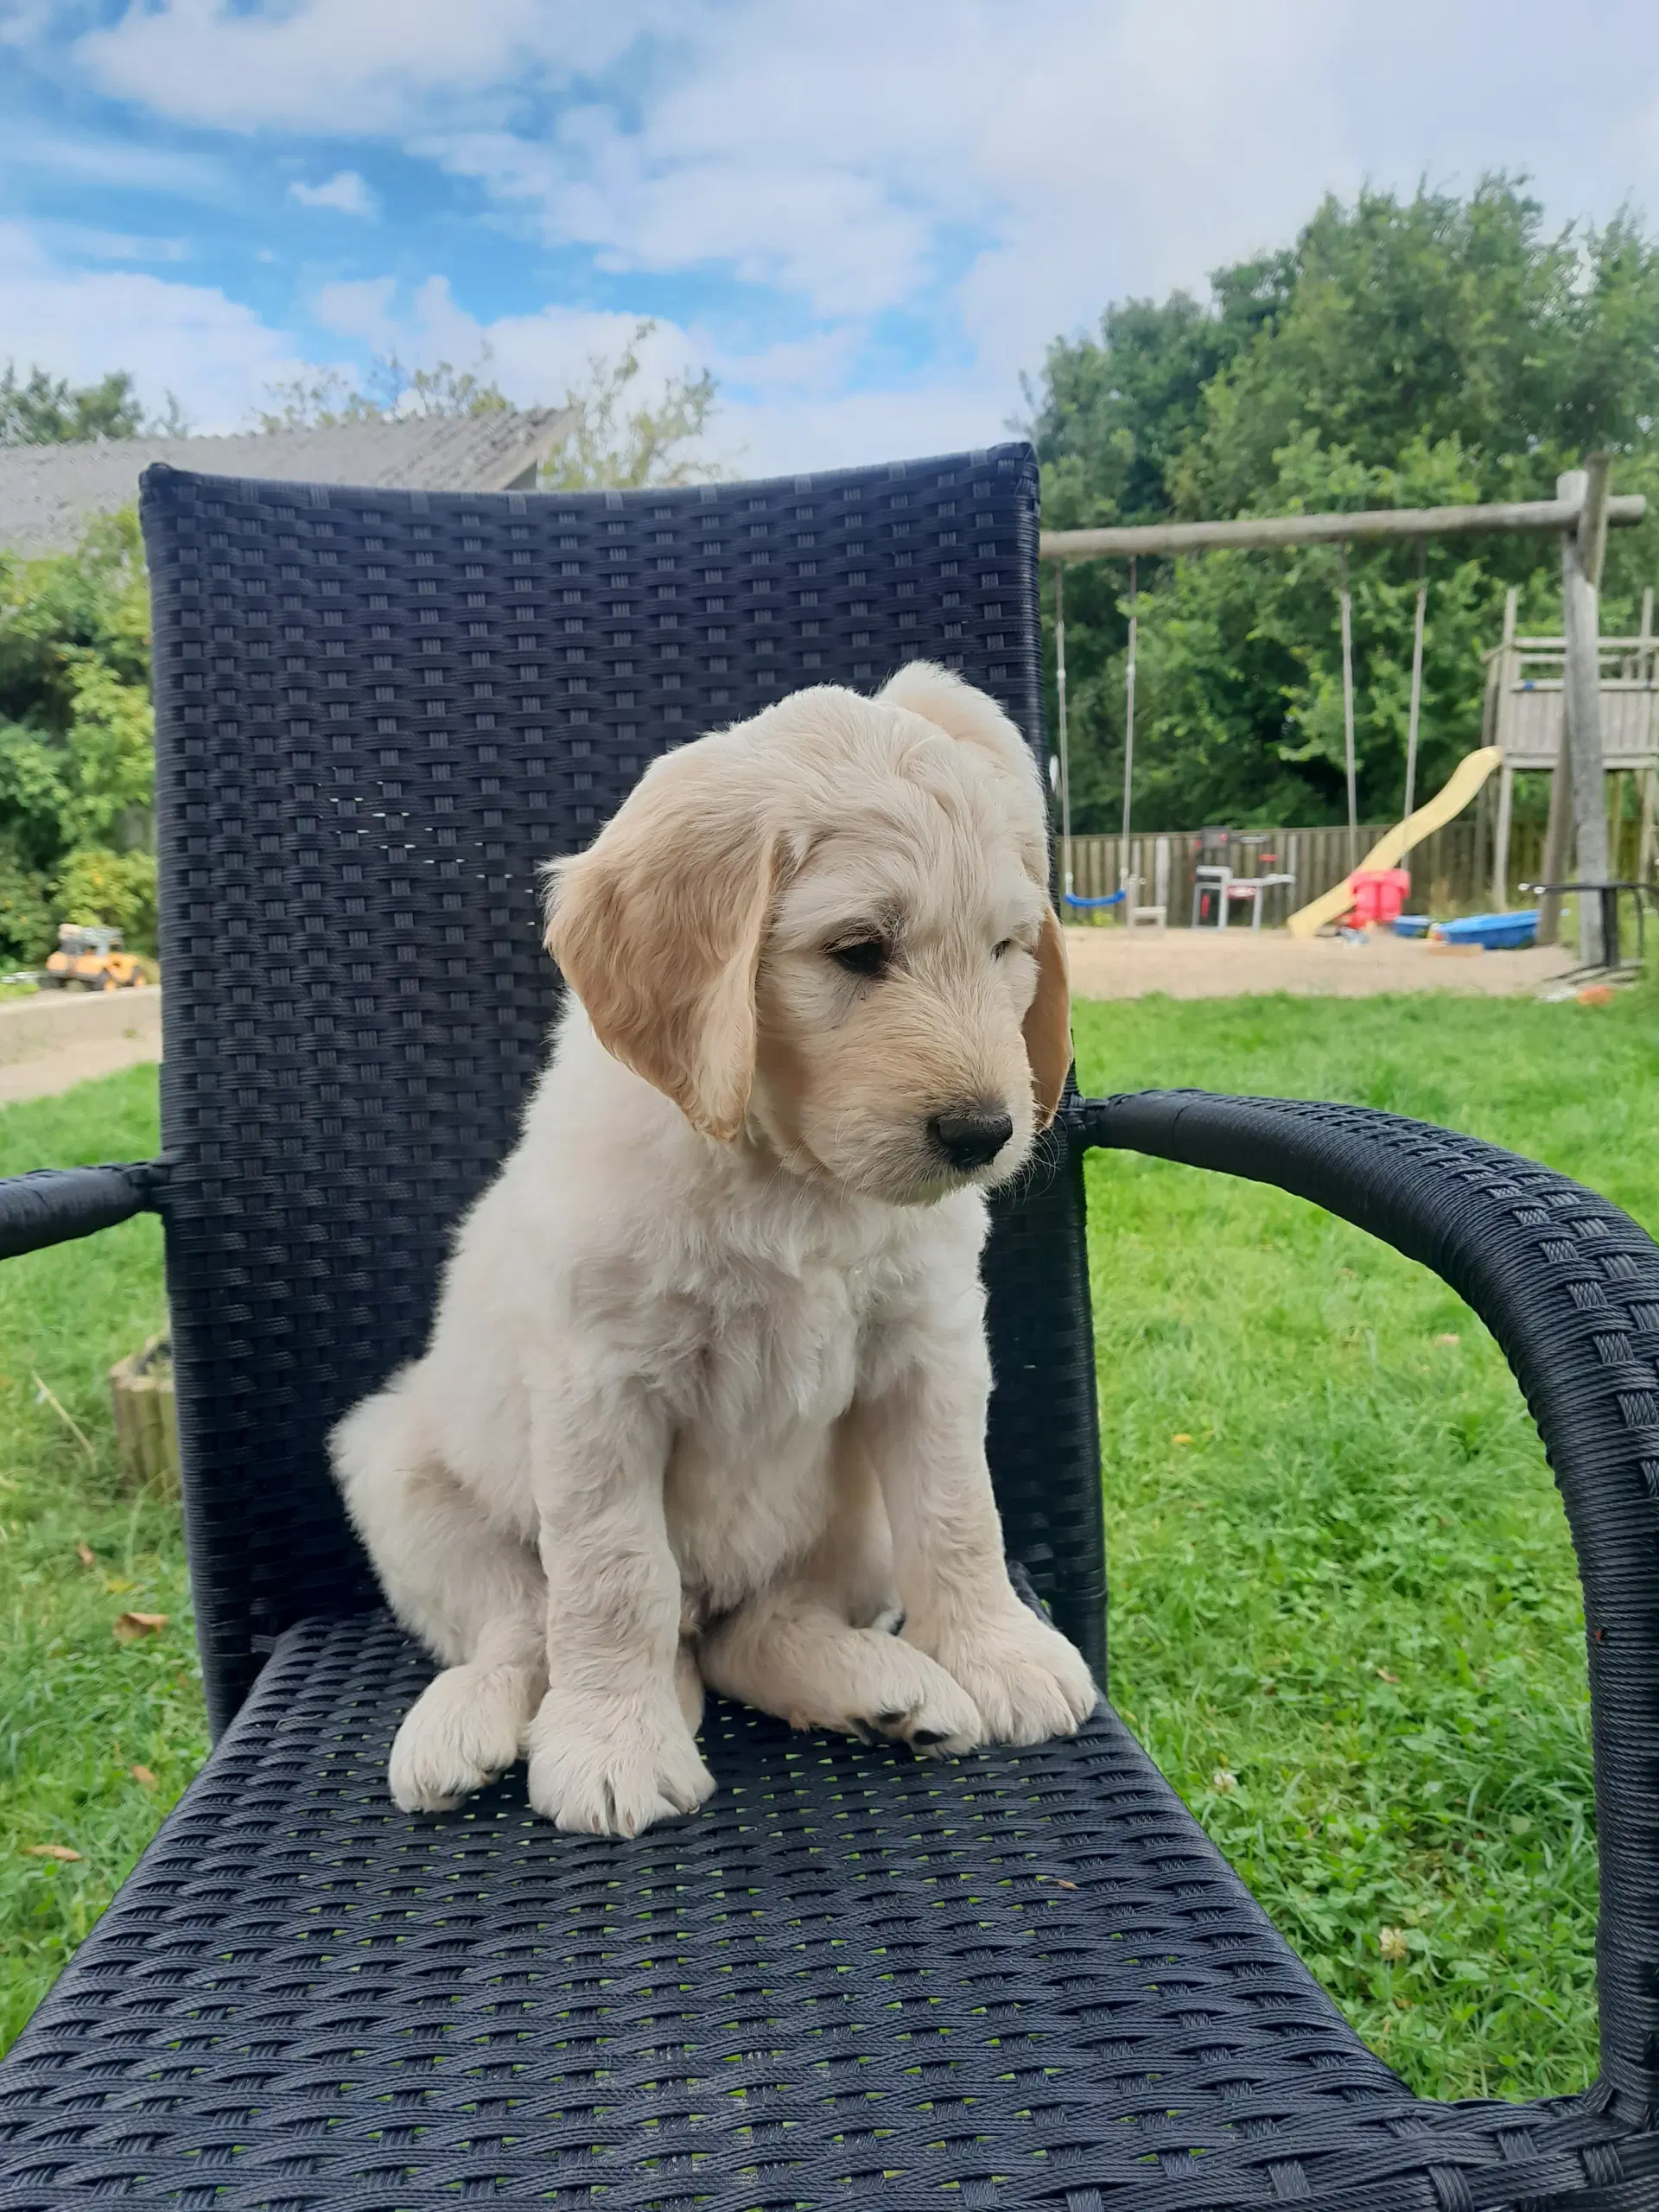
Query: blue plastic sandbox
point(1497, 932)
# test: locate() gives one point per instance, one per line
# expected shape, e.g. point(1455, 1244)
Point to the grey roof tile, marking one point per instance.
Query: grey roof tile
point(49, 493)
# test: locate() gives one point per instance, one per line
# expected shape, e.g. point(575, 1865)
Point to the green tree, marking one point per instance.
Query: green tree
point(619, 440)
point(77, 759)
point(41, 410)
point(326, 398)
point(1414, 352)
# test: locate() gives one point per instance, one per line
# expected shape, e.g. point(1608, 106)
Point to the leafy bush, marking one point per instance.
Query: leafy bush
point(117, 888)
point(25, 914)
point(77, 742)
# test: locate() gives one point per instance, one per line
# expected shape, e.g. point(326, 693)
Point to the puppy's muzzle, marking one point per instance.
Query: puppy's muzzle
point(972, 1136)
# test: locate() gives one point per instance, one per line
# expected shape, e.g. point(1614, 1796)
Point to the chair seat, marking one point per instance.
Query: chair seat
point(855, 1978)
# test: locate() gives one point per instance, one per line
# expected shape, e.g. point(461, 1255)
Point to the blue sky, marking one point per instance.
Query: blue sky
point(867, 216)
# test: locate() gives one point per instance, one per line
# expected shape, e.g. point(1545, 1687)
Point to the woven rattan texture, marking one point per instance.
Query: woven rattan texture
point(855, 1979)
point(1569, 1286)
point(378, 713)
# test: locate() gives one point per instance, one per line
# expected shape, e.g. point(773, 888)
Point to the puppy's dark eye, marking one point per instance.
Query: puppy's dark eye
point(997, 951)
point(863, 956)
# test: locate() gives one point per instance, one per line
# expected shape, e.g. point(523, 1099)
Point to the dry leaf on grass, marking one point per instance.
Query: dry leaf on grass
point(85, 1554)
point(1180, 1437)
point(128, 1626)
point(49, 1851)
point(142, 1773)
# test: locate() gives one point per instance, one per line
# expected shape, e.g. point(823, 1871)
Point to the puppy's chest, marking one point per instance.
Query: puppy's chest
point(783, 1352)
point(749, 1478)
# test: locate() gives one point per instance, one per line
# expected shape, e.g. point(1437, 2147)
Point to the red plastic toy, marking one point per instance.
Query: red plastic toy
point(1379, 896)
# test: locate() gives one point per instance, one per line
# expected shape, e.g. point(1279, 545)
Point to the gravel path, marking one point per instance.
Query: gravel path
point(1117, 964)
point(59, 1038)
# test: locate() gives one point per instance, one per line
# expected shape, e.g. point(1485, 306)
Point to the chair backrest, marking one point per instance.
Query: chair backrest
point(377, 712)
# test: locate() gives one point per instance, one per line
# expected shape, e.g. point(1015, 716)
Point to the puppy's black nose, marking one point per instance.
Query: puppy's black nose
point(973, 1137)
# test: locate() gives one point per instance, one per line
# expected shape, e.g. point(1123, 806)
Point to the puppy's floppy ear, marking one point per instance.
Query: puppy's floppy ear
point(1047, 1028)
point(659, 928)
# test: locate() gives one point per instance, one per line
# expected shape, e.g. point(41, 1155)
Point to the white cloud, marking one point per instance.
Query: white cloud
point(534, 358)
point(822, 230)
point(782, 405)
point(849, 157)
point(982, 174)
point(345, 192)
point(214, 354)
point(777, 436)
point(113, 164)
point(853, 158)
point(362, 309)
point(86, 242)
point(352, 66)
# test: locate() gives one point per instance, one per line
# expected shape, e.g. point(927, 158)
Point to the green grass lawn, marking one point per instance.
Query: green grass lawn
point(1345, 1618)
point(80, 1710)
point(1344, 1615)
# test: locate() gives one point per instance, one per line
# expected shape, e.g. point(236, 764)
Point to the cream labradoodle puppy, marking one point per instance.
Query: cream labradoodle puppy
point(705, 1398)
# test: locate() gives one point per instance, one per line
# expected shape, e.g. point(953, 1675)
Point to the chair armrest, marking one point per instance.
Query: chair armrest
point(52, 1204)
point(1569, 1286)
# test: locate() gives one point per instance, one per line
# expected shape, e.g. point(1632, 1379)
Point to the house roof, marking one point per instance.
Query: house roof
point(49, 493)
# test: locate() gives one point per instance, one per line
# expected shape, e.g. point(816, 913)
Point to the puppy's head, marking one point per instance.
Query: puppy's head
point(830, 927)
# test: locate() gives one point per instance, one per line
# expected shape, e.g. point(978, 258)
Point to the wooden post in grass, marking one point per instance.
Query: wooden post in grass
point(1416, 710)
point(1066, 754)
point(1348, 709)
point(1129, 714)
point(146, 1431)
point(1558, 843)
point(1500, 680)
point(1581, 558)
point(1647, 669)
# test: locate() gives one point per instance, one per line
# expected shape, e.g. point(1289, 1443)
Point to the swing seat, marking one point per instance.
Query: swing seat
point(1380, 896)
point(1024, 1979)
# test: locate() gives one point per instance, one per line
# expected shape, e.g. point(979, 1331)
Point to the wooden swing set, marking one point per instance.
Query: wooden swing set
point(1581, 514)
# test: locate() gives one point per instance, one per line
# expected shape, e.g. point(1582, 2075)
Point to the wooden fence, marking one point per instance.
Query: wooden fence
point(1451, 871)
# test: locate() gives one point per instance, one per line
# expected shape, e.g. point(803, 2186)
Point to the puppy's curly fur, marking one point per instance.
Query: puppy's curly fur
point(705, 1397)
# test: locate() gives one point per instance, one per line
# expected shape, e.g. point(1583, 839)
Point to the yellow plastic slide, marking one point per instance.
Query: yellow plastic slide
point(1466, 780)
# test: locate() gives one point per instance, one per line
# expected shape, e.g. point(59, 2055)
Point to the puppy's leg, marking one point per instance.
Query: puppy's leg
point(925, 1436)
point(611, 1751)
point(474, 1597)
point(820, 1650)
point(787, 1653)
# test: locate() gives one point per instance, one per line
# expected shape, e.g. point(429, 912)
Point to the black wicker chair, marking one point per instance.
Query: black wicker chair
point(852, 1979)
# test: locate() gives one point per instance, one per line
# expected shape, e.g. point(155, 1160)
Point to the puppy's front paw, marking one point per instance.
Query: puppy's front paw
point(462, 1732)
point(607, 1769)
point(1028, 1682)
point(873, 1684)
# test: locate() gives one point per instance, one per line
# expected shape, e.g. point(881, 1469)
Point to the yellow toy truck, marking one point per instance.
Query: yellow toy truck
point(92, 959)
